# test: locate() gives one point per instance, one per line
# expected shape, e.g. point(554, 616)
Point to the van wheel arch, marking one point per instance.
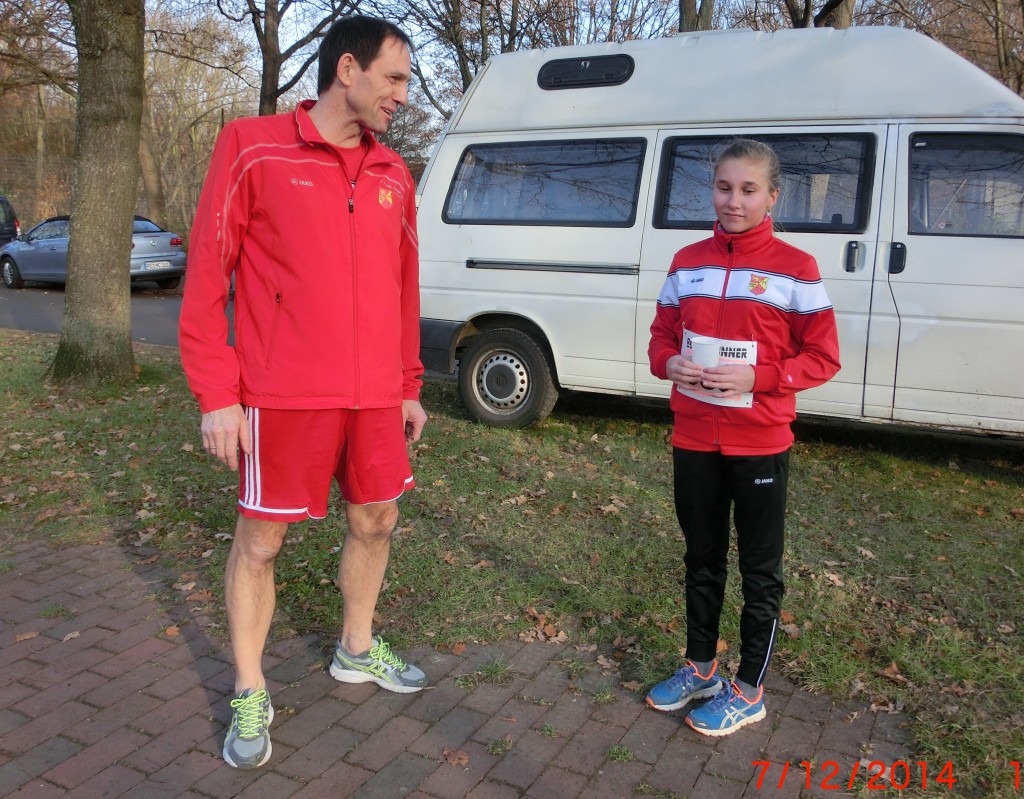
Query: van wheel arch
point(506, 378)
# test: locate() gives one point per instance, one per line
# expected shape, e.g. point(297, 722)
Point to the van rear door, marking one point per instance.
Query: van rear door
point(955, 269)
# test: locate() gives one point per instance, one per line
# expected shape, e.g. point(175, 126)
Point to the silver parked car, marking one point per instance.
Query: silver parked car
point(41, 254)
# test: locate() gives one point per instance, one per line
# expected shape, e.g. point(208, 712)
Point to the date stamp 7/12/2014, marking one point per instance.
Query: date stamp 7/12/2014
point(876, 775)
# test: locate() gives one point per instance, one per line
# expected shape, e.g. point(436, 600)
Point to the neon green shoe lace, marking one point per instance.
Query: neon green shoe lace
point(250, 713)
point(382, 653)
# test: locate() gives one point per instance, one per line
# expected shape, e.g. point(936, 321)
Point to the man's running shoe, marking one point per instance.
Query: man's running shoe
point(247, 744)
point(379, 665)
point(683, 687)
point(727, 712)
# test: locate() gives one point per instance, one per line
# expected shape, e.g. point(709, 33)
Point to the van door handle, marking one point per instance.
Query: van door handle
point(897, 257)
point(850, 262)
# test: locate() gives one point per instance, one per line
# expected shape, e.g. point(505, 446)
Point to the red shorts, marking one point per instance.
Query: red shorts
point(295, 453)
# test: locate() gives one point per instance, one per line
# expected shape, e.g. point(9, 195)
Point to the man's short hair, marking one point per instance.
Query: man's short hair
point(362, 37)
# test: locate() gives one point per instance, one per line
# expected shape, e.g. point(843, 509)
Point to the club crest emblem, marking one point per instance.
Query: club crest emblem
point(385, 198)
point(758, 284)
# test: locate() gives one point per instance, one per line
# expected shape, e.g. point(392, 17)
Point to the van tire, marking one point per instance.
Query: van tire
point(505, 379)
point(12, 277)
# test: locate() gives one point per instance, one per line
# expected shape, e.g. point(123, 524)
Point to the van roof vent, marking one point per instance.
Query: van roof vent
point(580, 73)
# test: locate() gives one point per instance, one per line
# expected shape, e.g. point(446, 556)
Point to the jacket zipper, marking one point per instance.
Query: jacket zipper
point(273, 329)
point(355, 310)
point(716, 414)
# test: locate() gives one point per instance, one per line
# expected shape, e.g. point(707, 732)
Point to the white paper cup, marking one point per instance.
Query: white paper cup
point(704, 351)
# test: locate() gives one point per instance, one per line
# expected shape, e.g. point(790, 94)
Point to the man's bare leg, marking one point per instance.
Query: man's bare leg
point(250, 595)
point(364, 559)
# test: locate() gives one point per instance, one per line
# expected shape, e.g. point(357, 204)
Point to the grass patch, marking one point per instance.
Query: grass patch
point(644, 789)
point(904, 566)
point(619, 754)
point(57, 612)
point(499, 746)
point(574, 668)
point(493, 672)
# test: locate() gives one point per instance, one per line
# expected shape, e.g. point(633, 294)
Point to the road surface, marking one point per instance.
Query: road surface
point(40, 309)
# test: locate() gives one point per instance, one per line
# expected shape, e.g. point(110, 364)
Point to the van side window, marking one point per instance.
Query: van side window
point(826, 181)
point(577, 183)
point(967, 185)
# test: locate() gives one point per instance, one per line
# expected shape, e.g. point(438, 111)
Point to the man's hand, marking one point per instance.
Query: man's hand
point(225, 431)
point(415, 418)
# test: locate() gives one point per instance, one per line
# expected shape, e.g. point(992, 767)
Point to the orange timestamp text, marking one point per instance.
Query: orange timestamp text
point(878, 775)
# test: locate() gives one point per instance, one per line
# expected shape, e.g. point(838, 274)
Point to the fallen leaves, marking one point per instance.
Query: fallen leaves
point(544, 629)
point(892, 674)
point(455, 757)
point(835, 579)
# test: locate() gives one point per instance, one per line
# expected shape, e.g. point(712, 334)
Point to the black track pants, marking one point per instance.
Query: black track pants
point(706, 485)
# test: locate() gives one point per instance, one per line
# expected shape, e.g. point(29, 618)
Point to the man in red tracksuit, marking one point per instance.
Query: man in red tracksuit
point(314, 220)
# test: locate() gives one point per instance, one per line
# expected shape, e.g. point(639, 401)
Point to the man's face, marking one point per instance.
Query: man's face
point(375, 94)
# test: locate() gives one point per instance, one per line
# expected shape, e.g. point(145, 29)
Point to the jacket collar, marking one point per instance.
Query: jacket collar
point(747, 241)
point(375, 151)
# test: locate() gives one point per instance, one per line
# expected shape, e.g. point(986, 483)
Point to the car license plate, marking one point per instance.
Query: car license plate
point(158, 265)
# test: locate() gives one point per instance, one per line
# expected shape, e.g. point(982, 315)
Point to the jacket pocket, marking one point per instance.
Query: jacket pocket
point(274, 323)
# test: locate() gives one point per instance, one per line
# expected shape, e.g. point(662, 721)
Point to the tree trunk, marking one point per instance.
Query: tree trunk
point(270, 45)
point(95, 343)
point(692, 18)
point(835, 14)
point(152, 183)
point(38, 209)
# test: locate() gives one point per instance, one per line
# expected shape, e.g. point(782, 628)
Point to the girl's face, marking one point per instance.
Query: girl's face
point(741, 194)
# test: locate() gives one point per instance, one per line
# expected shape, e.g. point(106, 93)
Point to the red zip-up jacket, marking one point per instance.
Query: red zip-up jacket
point(748, 286)
point(326, 275)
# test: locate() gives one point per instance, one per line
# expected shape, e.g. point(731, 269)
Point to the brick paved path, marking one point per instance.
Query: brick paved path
point(104, 703)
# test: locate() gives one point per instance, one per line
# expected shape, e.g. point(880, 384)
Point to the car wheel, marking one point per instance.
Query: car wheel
point(12, 277)
point(169, 282)
point(505, 379)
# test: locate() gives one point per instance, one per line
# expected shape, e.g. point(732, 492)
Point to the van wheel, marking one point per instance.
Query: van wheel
point(12, 277)
point(505, 379)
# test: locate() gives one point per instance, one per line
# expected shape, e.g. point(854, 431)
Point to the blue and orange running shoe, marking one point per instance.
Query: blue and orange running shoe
point(727, 712)
point(683, 687)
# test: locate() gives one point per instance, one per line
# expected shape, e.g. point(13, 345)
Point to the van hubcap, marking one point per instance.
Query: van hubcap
point(503, 381)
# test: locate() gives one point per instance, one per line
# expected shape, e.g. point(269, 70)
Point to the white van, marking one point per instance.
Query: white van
point(567, 179)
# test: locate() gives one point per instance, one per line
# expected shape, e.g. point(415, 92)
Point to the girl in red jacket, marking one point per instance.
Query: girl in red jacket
point(760, 306)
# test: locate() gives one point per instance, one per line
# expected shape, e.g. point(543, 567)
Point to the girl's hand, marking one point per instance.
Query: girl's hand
point(731, 379)
point(684, 373)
